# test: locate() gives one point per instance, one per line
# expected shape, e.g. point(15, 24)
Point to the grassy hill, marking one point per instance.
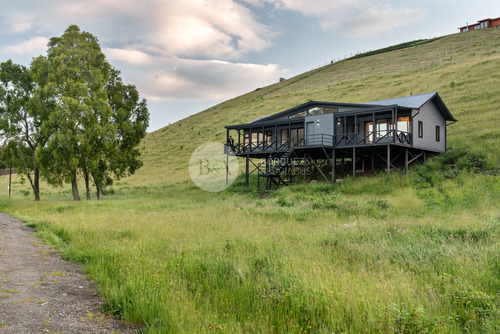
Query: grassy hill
point(418, 255)
point(462, 68)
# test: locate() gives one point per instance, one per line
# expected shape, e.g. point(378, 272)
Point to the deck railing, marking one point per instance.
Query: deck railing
point(337, 141)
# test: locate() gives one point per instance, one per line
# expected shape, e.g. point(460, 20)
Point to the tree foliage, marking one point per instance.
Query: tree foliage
point(70, 114)
point(20, 122)
point(73, 75)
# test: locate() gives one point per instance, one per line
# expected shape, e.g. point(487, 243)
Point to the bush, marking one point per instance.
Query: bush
point(403, 319)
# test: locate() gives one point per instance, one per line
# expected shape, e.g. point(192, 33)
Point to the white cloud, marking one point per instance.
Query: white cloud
point(379, 20)
point(20, 27)
point(33, 46)
point(191, 28)
point(352, 17)
point(183, 79)
point(133, 57)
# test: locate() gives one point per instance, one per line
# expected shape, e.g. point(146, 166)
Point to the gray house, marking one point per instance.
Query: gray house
point(314, 137)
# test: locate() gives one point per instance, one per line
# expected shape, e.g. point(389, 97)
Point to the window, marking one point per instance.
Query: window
point(299, 114)
point(404, 124)
point(284, 136)
point(420, 129)
point(438, 133)
point(257, 138)
point(369, 132)
point(329, 110)
point(296, 135)
point(383, 127)
point(315, 111)
point(268, 138)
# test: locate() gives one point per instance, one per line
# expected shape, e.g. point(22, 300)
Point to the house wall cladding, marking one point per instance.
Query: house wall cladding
point(325, 125)
point(430, 116)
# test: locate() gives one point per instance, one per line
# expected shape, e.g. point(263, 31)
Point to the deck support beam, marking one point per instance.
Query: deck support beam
point(305, 167)
point(334, 163)
point(373, 163)
point(247, 178)
point(353, 163)
point(227, 168)
point(406, 161)
point(388, 163)
point(342, 171)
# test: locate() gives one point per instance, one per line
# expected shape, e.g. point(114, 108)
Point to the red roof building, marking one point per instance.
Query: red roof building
point(483, 24)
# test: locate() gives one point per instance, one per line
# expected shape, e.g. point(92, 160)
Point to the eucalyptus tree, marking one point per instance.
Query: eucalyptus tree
point(20, 122)
point(95, 122)
point(130, 117)
point(73, 74)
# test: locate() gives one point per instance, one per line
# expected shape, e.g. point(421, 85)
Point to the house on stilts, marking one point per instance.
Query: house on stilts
point(328, 139)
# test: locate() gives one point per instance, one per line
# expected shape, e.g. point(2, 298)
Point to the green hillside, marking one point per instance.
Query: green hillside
point(418, 255)
point(463, 68)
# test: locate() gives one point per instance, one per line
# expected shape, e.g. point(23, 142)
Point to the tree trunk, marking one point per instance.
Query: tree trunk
point(74, 188)
point(99, 192)
point(87, 187)
point(36, 184)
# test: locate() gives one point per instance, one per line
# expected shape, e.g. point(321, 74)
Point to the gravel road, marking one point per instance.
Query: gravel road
point(41, 293)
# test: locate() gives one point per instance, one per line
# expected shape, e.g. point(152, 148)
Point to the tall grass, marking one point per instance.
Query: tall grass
point(413, 256)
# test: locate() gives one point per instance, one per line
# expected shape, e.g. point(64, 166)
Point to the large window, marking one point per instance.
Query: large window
point(329, 110)
point(296, 135)
point(299, 114)
point(404, 124)
point(268, 138)
point(369, 132)
point(284, 136)
point(314, 111)
point(383, 127)
point(420, 129)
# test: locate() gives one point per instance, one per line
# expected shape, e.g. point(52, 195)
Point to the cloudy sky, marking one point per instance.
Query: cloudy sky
point(187, 55)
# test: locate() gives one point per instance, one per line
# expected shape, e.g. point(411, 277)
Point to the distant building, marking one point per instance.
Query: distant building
point(486, 23)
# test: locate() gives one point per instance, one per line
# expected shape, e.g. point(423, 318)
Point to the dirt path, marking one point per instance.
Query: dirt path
point(40, 293)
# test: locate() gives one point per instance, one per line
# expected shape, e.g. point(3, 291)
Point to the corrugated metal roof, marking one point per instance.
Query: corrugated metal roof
point(259, 118)
point(411, 102)
point(414, 101)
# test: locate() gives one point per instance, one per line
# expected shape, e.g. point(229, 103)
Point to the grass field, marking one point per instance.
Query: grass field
point(421, 254)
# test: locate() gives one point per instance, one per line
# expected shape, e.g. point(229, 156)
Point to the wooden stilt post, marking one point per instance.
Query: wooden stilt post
point(406, 161)
point(373, 163)
point(334, 163)
point(305, 167)
point(353, 164)
point(247, 170)
point(342, 172)
point(388, 163)
point(227, 166)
